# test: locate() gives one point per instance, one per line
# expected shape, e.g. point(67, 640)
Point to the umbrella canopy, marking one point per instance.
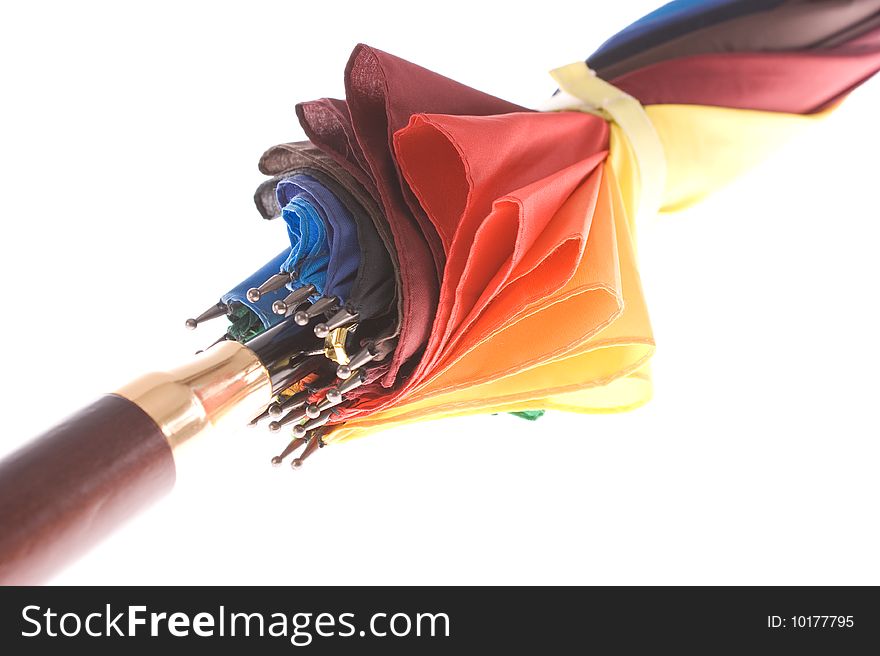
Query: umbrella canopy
point(474, 256)
point(601, 367)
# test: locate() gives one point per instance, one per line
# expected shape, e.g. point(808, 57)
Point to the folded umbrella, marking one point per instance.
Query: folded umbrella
point(473, 382)
point(460, 254)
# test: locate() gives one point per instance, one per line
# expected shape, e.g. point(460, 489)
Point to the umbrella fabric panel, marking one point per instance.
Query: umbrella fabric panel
point(672, 20)
point(793, 25)
point(795, 83)
point(309, 250)
point(342, 240)
point(707, 147)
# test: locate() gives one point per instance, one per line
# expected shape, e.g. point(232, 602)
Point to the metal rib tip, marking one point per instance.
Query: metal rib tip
point(299, 431)
point(315, 442)
point(294, 298)
point(336, 395)
point(317, 422)
point(213, 312)
point(352, 383)
point(341, 319)
point(274, 410)
point(358, 360)
point(324, 381)
point(271, 284)
point(312, 411)
point(330, 401)
point(321, 306)
point(265, 413)
point(290, 448)
point(224, 337)
point(291, 417)
point(274, 426)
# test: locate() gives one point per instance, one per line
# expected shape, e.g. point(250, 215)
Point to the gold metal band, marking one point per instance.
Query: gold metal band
point(225, 383)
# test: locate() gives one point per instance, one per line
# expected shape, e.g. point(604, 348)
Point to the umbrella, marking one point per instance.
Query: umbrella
point(528, 218)
point(476, 378)
point(452, 253)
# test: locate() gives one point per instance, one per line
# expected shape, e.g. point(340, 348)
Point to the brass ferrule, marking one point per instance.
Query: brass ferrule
point(225, 383)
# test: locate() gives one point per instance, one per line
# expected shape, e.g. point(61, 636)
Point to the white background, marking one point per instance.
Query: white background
point(129, 138)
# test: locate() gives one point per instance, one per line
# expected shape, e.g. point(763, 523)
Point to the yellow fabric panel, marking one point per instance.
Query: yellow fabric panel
point(707, 147)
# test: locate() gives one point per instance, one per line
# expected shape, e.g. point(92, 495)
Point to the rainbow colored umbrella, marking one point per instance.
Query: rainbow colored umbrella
point(448, 253)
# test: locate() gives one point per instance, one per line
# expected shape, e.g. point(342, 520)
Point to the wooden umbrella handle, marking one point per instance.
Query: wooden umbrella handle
point(70, 487)
point(67, 489)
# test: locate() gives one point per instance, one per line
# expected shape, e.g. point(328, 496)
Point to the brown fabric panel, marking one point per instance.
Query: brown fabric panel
point(70, 487)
